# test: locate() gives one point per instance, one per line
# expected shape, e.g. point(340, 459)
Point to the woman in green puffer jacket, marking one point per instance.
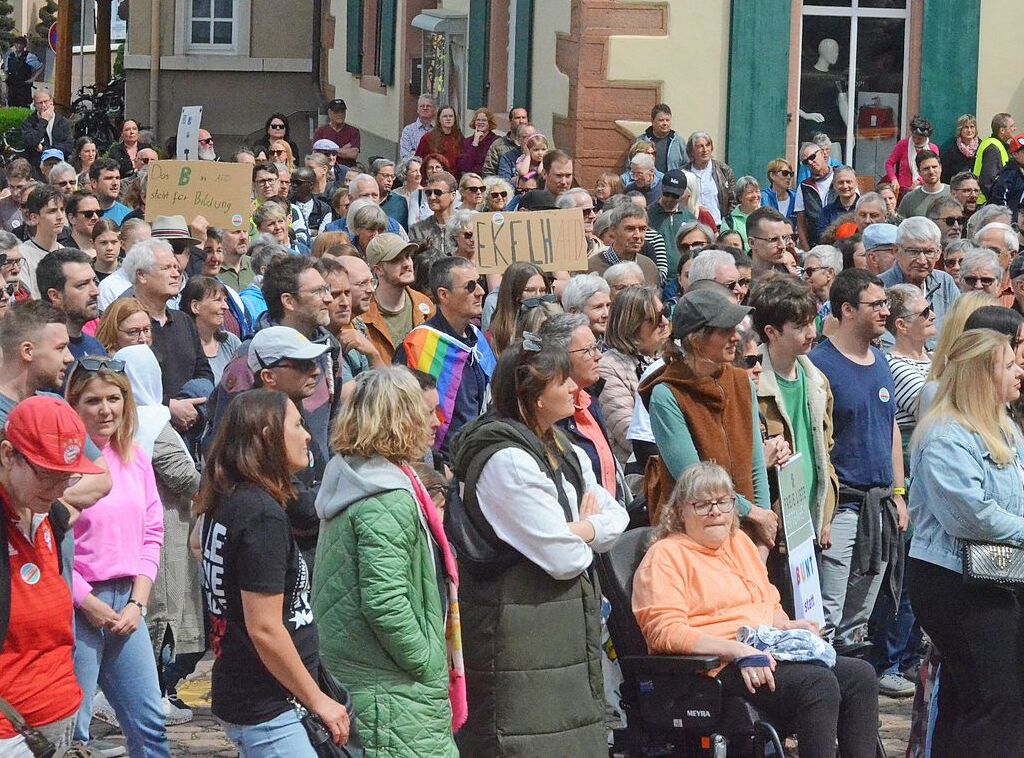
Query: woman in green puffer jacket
point(384, 578)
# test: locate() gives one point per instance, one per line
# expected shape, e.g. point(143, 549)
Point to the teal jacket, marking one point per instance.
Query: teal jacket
point(377, 602)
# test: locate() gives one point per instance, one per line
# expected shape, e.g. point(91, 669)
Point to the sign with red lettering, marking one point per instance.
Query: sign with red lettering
point(552, 240)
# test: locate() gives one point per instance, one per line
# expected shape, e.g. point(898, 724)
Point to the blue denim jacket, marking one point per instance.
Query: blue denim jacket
point(958, 493)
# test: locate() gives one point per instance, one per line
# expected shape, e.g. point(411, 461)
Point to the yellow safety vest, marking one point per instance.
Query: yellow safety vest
point(1003, 158)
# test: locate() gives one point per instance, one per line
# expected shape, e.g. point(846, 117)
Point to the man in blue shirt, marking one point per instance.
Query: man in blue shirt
point(66, 280)
point(868, 460)
point(105, 182)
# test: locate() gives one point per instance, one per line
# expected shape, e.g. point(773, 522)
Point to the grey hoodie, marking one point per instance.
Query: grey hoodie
point(349, 479)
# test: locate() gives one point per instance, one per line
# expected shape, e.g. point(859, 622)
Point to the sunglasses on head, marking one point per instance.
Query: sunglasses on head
point(98, 363)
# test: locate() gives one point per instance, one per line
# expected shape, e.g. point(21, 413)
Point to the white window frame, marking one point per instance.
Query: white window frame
point(241, 21)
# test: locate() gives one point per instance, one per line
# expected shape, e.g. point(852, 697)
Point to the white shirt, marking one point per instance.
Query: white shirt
point(822, 186)
point(112, 288)
point(521, 504)
point(708, 192)
point(640, 427)
point(31, 254)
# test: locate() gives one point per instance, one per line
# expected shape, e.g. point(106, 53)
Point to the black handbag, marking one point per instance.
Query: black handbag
point(319, 735)
point(994, 564)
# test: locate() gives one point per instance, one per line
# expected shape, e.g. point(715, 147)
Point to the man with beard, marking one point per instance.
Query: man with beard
point(105, 182)
point(67, 281)
point(395, 308)
point(965, 188)
point(236, 271)
point(207, 150)
point(629, 224)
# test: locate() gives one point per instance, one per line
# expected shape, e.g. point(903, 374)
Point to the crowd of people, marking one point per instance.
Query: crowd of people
point(373, 481)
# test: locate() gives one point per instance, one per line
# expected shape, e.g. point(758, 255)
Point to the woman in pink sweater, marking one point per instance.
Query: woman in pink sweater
point(702, 579)
point(117, 554)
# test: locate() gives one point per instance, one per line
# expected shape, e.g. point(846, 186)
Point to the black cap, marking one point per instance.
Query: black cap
point(705, 307)
point(537, 200)
point(337, 104)
point(673, 183)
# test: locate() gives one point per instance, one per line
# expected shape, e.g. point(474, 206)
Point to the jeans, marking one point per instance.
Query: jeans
point(979, 631)
point(823, 705)
point(125, 670)
point(283, 736)
point(59, 733)
point(847, 596)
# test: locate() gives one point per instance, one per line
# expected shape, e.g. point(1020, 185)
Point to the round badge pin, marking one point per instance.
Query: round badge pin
point(424, 309)
point(883, 394)
point(30, 573)
point(497, 219)
point(237, 220)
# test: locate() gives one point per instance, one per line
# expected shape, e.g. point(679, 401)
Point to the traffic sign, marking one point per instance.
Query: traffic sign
point(52, 36)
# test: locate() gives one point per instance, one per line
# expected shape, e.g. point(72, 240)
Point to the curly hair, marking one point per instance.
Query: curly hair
point(699, 480)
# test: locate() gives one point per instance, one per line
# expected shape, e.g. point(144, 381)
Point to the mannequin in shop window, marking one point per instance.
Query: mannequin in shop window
point(823, 99)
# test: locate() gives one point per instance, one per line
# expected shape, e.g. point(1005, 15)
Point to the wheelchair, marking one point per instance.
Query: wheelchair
point(673, 709)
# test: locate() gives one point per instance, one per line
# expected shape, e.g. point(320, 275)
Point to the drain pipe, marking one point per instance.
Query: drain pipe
point(154, 62)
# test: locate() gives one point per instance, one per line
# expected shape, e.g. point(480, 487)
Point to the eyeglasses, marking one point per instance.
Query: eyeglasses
point(69, 480)
point(922, 132)
point(68, 182)
point(703, 507)
point(534, 302)
point(590, 351)
point(87, 213)
point(783, 239)
point(474, 188)
point(973, 281)
point(875, 305)
point(267, 180)
point(685, 247)
point(136, 333)
point(323, 291)
point(926, 313)
point(919, 252)
point(499, 195)
point(953, 262)
point(810, 271)
point(810, 158)
point(277, 126)
point(301, 366)
point(11, 263)
point(435, 192)
point(952, 220)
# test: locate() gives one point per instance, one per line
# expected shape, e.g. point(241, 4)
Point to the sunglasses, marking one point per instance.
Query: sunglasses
point(303, 367)
point(810, 158)
point(925, 313)
point(749, 361)
point(986, 281)
point(435, 192)
point(88, 213)
point(497, 195)
point(467, 235)
point(952, 220)
point(737, 284)
point(470, 287)
point(467, 188)
point(277, 126)
point(98, 363)
point(784, 172)
point(207, 141)
point(535, 302)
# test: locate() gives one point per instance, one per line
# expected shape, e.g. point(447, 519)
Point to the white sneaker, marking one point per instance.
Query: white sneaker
point(895, 685)
point(175, 715)
point(103, 711)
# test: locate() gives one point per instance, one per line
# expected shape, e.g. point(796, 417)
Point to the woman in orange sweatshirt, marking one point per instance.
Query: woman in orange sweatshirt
point(702, 579)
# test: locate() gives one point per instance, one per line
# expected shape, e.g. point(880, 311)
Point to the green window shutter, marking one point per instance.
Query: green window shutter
point(388, 16)
point(479, 52)
point(524, 53)
point(949, 65)
point(758, 73)
point(354, 37)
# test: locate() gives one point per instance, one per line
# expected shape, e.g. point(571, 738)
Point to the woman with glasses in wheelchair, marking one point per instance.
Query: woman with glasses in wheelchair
point(702, 579)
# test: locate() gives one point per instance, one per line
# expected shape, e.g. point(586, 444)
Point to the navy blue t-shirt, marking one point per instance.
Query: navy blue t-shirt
point(85, 344)
point(863, 413)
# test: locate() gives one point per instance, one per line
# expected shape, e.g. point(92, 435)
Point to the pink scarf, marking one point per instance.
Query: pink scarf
point(453, 624)
point(969, 149)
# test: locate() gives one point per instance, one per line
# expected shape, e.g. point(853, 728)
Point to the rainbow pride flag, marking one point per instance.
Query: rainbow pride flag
point(444, 357)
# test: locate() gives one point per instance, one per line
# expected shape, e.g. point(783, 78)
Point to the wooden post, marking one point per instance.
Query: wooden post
point(103, 41)
point(62, 70)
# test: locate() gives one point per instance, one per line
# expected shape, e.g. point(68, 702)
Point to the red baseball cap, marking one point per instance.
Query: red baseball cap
point(50, 435)
point(1016, 143)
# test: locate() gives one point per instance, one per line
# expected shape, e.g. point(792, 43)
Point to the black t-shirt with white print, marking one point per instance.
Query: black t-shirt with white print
point(248, 546)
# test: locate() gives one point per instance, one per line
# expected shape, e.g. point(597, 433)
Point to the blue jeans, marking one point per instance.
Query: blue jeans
point(125, 670)
point(283, 736)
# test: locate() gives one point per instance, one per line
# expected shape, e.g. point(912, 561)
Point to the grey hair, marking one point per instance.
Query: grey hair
point(402, 169)
point(263, 250)
point(642, 160)
point(353, 186)
point(980, 258)
point(8, 241)
point(918, 229)
point(804, 145)
point(847, 170)
point(568, 198)
point(459, 220)
point(828, 256)
point(705, 265)
point(282, 168)
point(580, 289)
point(822, 140)
point(268, 211)
point(602, 223)
point(492, 183)
point(938, 207)
point(380, 163)
point(556, 332)
point(900, 296)
point(702, 478)
point(142, 257)
point(613, 273)
point(872, 197)
point(630, 210)
point(1009, 236)
point(365, 215)
point(426, 97)
point(319, 159)
point(957, 246)
point(696, 136)
point(60, 169)
point(689, 226)
point(984, 216)
point(744, 183)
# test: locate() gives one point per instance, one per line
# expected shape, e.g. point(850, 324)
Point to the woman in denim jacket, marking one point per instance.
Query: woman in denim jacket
point(968, 484)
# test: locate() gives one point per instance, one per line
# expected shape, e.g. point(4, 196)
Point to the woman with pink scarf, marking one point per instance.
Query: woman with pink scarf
point(385, 582)
point(960, 155)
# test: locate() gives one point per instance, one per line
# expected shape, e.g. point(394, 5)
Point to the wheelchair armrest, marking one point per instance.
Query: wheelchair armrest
point(674, 664)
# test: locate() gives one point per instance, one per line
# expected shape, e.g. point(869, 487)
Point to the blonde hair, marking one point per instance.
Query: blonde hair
point(702, 478)
point(115, 315)
point(386, 416)
point(280, 144)
point(953, 326)
point(123, 440)
point(967, 396)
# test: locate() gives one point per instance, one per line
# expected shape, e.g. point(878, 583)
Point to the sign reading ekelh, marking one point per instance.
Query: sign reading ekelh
point(552, 240)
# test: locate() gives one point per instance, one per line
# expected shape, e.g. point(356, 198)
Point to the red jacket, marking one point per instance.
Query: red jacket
point(897, 165)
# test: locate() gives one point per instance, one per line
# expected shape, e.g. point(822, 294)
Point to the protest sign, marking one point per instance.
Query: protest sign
point(553, 240)
point(799, 532)
point(219, 192)
point(187, 144)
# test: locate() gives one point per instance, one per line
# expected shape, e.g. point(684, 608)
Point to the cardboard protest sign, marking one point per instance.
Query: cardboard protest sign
point(219, 192)
point(553, 240)
point(799, 531)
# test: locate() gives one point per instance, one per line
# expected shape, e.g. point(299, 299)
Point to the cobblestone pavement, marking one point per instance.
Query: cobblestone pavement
point(203, 735)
